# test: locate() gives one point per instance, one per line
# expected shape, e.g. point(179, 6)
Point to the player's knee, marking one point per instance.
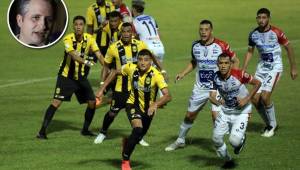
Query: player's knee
point(112, 114)
point(266, 99)
point(235, 140)
point(190, 117)
point(218, 140)
point(137, 133)
point(56, 103)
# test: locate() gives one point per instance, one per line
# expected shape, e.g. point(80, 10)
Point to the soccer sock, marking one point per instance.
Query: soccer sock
point(223, 152)
point(271, 115)
point(262, 112)
point(107, 121)
point(184, 128)
point(88, 117)
point(134, 138)
point(47, 118)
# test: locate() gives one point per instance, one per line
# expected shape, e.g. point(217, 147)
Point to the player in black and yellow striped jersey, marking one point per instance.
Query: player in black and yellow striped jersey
point(121, 52)
point(141, 105)
point(72, 75)
point(97, 15)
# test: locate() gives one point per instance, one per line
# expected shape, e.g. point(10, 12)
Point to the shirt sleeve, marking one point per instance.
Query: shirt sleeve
point(282, 39)
point(126, 69)
point(90, 16)
point(109, 55)
point(228, 51)
point(251, 43)
point(94, 45)
point(161, 83)
point(246, 77)
point(68, 44)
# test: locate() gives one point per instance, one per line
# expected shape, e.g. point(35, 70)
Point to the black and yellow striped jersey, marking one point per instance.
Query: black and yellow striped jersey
point(143, 87)
point(73, 69)
point(122, 54)
point(96, 15)
point(109, 36)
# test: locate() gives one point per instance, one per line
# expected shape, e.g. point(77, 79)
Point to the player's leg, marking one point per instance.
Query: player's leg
point(196, 103)
point(221, 127)
point(63, 92)
point(136, 135)
point(118, 102)
point(270, 83)
point(146, 120)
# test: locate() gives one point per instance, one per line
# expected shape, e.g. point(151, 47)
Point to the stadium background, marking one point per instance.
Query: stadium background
point(27, 79)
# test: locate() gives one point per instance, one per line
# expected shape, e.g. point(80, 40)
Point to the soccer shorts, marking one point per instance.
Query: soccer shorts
point(65, 88)
point(235, 124)
point(198, 100)
point(268, 80)
point(118, 102)
point(157, 49)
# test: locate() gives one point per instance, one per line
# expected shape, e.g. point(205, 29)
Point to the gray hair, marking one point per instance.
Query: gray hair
point(23, 6)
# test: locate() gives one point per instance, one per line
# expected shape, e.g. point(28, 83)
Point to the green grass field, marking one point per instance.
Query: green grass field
point(27, 80)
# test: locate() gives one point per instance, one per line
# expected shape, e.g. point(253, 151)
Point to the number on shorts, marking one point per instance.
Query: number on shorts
point(269, 79)
point(242, 125)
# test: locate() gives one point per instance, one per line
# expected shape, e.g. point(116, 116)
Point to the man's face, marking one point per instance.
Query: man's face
point(114, 22)
point(144, 62)
point(126, 34)
point(224, 65)
point(78, 27)
point(116, 2)
point(205, 32)
point(262, 20)
point(36, 23)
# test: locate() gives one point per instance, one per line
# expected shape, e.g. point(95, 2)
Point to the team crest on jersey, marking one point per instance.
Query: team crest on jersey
point(84, 45)
point(132, 111)
point(57, 90)
point(134, 49)
point(148, 80)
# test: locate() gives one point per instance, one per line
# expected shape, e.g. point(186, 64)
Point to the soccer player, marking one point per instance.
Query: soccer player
point(72, 76)
point(147, 29)
point(235, 106)
point(35, 20)
point(123, 9)
point(97, 15)
point(204, 58)
point(267, 39)
point(142, 104)
point(121, 52)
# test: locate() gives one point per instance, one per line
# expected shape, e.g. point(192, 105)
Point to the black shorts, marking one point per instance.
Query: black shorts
point(118, 102)
point(136, 113)
point(65, 88)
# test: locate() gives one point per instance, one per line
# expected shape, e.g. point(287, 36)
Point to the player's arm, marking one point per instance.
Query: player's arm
point(291, 56)
point(256, 85)
point(75, 55)
point(235, 62)
point(213, 98)
point(100, 57)
point(111, 76)
point(89, 21)
point(190, 67)
point(160, 102)
point(247, 57)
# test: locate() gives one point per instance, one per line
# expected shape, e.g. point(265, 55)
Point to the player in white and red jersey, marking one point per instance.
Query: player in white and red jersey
point(267, 39)
point(123, 9)
point(146, 29)
point(204, 59)
point(235, 107)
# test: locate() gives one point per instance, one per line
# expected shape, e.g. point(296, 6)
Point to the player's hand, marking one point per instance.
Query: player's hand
point(294, 73)
point(179, 77)
point(242, 102)
point(89, 63)
point(152, 109)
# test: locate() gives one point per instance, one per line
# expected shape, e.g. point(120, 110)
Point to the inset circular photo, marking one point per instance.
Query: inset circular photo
point(37, 23)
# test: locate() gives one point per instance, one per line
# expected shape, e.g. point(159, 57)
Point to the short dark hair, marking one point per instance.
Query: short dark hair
point(114, 14)
point(126, 24)
point(79, 17)
point(144, 52)
point(264, 11)
point(205, 21)
point(138, 8)
point(223, 55)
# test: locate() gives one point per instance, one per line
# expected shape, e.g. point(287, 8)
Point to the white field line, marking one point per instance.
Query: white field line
point(31, 81)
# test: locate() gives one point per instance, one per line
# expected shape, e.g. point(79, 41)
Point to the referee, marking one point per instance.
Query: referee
point(72, 76)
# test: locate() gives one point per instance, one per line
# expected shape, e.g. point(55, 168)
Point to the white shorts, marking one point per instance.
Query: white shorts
point(235, 124)
point(198, 100)
point(157, 49)
point(268, 80)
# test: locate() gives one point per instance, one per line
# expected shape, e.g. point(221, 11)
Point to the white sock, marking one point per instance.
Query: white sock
point(270, 111)
point(184, 128)
point(223, 152)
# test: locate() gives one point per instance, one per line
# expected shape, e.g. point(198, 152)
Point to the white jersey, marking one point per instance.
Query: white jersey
point(268, 46)
point(205, 56)
point(147, 30)
point(232, 88)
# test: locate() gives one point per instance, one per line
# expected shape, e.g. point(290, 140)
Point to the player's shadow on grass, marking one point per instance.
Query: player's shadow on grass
point(59, 125)
point(206, 161)
point(255, 127)
point(114, 133)
point(117, 163)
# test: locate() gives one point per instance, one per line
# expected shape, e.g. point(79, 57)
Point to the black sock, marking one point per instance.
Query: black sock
point(107, 121)
point(134, 138)
point(88, 117)
point(47, 118)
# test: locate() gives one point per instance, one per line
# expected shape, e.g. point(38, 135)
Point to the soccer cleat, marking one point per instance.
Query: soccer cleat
point(229, 164)
point(238, 149)
point(125, 165)
point(41, 136)
point(87, 133)
point(143, 142)
point(99, 138)
point(269, 131)
point(175, 146)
